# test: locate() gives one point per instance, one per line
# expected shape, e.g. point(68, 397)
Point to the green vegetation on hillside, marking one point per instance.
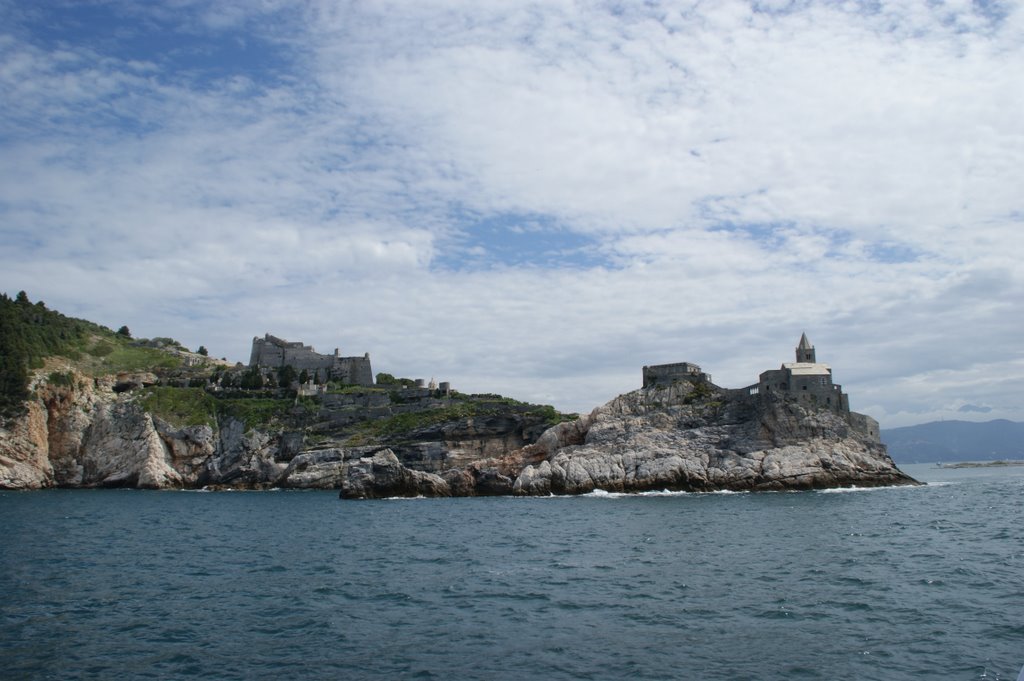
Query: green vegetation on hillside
point(399, 425)
point(402, 426)
point(180, 406)
point(196, 407)
point(204, 392)
point(28, 334)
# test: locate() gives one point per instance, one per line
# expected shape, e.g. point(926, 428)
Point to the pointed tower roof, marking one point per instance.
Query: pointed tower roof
point(804, 343)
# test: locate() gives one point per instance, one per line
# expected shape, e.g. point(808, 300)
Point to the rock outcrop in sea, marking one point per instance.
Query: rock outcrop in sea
point(687, 436)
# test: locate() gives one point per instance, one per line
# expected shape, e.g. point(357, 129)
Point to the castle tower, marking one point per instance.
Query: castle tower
point(805, 351)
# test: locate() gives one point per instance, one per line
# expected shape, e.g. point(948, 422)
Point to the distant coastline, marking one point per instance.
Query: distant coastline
point(980, 464)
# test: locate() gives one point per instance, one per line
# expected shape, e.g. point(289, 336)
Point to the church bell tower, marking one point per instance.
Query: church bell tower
point(805, 351)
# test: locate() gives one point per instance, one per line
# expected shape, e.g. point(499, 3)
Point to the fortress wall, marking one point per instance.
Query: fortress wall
point(367, 399)
point(304, 358)
point(273, 353)
point(266, 355)
point(740, 393)
point(665, 374)
point(865, 425)
point(355, 370)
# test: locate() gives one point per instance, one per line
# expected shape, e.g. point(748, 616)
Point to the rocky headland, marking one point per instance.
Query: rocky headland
point(103, 410)
point(118, 431)
point(695, 436)
point(685, 437)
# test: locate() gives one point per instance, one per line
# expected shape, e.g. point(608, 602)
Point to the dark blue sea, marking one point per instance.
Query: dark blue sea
point(898, 583)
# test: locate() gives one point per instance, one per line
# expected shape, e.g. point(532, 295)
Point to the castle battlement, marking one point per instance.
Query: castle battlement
point(271, 352)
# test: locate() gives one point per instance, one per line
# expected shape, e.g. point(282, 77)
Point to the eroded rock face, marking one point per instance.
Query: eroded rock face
point(85, 433)
point(323, 469)
point(682, 438)
point(657, 439)
point(383, 475)
point(92, 433)
point(24, 460)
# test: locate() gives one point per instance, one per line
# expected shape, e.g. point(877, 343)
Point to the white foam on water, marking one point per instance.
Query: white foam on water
point(604, 494)
point(851, 490)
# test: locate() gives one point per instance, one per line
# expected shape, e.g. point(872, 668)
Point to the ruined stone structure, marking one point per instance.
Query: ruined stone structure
point(271, 352)
point(805, 380)
point(667, 374)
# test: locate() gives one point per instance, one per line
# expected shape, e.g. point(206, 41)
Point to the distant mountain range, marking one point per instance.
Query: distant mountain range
point(943, 441)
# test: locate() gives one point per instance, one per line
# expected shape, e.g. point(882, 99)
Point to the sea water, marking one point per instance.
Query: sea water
point(896, 583)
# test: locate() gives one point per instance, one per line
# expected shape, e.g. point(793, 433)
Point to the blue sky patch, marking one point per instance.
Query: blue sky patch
point(513, 240)
point(188, 51)
point(893, 252)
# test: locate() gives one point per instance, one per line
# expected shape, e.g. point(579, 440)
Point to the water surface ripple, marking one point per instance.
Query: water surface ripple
point(902, 583)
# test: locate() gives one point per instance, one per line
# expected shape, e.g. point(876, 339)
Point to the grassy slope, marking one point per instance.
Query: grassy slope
point(30, 334)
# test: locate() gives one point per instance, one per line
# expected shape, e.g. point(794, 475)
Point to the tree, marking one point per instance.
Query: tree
point(286, 376)
point(123, 331)
point(203, 351)
point(252, 379)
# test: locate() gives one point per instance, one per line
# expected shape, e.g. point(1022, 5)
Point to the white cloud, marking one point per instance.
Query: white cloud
point(744, 172)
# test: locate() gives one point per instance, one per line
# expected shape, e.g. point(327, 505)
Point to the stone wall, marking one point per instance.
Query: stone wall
point(666, 374)
point(816, 389)
point(271, 352)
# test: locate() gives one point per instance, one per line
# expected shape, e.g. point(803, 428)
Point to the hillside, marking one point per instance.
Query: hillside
point(86, 406)
point(947, 441)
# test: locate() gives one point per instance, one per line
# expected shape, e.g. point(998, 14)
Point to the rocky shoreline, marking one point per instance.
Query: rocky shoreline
point(664, 438)
point(687, 436)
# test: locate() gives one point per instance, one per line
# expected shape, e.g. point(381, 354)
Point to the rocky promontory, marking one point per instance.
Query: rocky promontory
point(84, 406)
point(687, 436)
point(690, 436)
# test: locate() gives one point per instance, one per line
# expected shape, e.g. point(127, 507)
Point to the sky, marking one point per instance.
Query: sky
point(535, 198)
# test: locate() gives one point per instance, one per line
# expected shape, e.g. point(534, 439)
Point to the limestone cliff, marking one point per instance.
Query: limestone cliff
point(687, 436)
point(86, 432)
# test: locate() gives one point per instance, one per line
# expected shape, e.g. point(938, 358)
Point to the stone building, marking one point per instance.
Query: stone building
point(666, 374)
point(806, 380)
point(271, 352)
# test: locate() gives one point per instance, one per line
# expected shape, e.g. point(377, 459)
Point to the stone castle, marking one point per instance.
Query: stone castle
point(271, 352)
point(806, 381)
